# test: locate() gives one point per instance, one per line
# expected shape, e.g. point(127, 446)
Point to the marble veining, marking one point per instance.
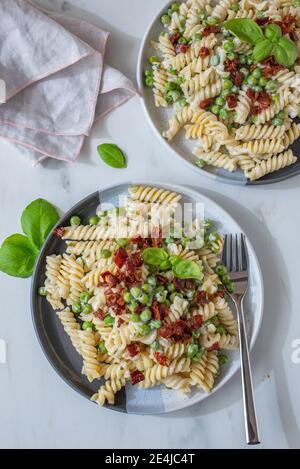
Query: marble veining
point(37, 409)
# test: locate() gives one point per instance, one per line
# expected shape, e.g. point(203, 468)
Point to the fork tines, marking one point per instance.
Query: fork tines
point(235, 253)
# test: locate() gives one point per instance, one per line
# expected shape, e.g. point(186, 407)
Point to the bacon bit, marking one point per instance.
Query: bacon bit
point(117, 309)
point(136, 377)
point(210, 29)
point(190, 284)
point(161, 279)
point(219, 293)
point(252, 94)
point(232, 101)
point(237, 77)
point(255, 110)
point(201, 297)
point(120, 257)
point(294, 36)
point(180, 328)
point(164, 311)
point(155, 308)
point(205, 103)
point(174, 37)
point(133, 349)
point(204, 52)
point(231, 65)
point(99, 314)
point(165, 331)
point(59, 232)
point(161, 359)
point(264, 100)
point(120, 321)
point(136, 240)
point(109, 279)
point(181, 48)
point(272, 67)
point(195, 322)
point(136, 259)
point(263, 21)
point(287, 24)
point(269, 61)
point(214, 346)
point(179, 284)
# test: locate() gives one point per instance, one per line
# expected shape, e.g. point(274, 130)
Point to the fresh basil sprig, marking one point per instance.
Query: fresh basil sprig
point(18, 252)
point(186, 269)
point(155, 256)
point(112, 155)
point(181, 268)
point(267, 42)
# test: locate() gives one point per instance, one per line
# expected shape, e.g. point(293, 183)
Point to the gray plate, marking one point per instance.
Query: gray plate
point(63, 357)
point(182, 148)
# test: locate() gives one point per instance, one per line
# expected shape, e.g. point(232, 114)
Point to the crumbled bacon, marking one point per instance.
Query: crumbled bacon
point(180, 330)
point(165, 331)
point(181, 48)
point(109, 279)
point(159, 310)
point(237, 77)
point(133, 349)
point(232, 101)
point(263, 21)
point(214, 346)
point(99, 314)
point(136, 259)
point(190, 284)
point(255, 110)
point(205, 103)
point(174, 37)
point(287, 24)
point(120, 321)
point(264, 100)
point(179, 284)
point(271, 67)
point(231, 65)
point(137, 240)
point(201, 297)
point(161, 359)
point(161, 279)
point(120, 257)
point(210, 29)
point(251, 94)
point(195, 322)
point(204, 52)
point(136, 377)
point(59, 232)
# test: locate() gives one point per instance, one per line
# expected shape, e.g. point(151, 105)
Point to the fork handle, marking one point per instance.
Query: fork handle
point(248, 395)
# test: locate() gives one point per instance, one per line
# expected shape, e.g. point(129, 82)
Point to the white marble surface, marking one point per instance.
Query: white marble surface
point(37, 410)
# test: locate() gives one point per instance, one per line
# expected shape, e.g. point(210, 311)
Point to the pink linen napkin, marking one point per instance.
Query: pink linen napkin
point(57, 85)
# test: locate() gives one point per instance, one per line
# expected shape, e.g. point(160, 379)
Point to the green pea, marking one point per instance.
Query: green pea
point(153, 59)
point(146, 315)
point(223, 359)
point(105, 254)
point(76, 308)
point(200, 163)
point(215, 109)
point(271, 86)
point(173, 95)
point(171, 287)
point(263, 81)
point(42, 291)
point(277, 121)
point(135, 291)
point(227, 84)
point(122, 242)
point(196, 334)
point(109, 319)
point(172, 70)
point(223, 114)
point(220, 101)
point(231, 55)
point(199, 355)
point(145, 329)
point(165, 19)
point(75, 221)
point(230, 287)
point(143, 299)
point(87, 325)
point(212, 20)
point(221, 269)
point(251, 80)
point(234, 7)
point(161, 296)
point(175, 6)
point(84, 297)
point(132, 306)
point(281, 115)
point(197, 37)
point(228, 46)
point(182, 102)
point(221, 330)
point(94, 220)
point(213, 320)
point(257, 73)
point(275, 99)
point(152, 281)
point(225, 279)
point(249, 61)
point(102, 348)
point(87, 309)
point(213, 236)
point(134, 318)
point(215, 60)
point(155, 345)
point(146, 287)
point(127, 297)
point(155, 324)
point(149, 82)
point(225, 93)
point(182, 40)
point(170, 12)
point(242, 59)
point(192, 350)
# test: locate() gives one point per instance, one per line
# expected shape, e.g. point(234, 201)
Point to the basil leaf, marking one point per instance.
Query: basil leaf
point(285, 52)
point(112, 155)
point(18, 256)
point(185, 269)
point(174, 259)
point(155, 256)
point(262, 50)
point(38, 220)
point(245, 29)
point(273, 32)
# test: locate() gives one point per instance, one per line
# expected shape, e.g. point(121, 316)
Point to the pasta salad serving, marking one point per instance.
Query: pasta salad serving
point(149, 308)
point(231, 72)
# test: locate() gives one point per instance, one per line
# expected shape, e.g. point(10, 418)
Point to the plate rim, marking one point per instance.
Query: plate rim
point(34, 283)
point(142, 93)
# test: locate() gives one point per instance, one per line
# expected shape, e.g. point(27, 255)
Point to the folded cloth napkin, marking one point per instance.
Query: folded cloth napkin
point(57, 85)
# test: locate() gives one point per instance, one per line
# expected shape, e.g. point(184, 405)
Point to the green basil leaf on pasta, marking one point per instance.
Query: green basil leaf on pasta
point(18, 256)
point(285, 52)
point(186, 269)
point(245, 29)
point(112, 155)
point(273, 32)
point(38, 220)
point(155, 256)
point(262, 50)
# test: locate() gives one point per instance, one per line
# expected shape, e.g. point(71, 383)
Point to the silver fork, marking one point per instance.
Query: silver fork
point(235, 258)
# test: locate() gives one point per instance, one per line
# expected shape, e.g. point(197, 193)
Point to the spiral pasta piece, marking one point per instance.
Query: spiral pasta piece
point(257, 147)
point(178, 383)
point(291, 135)
point(154, 194)
point(91, 366)
point(195, 84)
point(217, 159)
point(108, 392)
point(270, 165)
point(177, 309)
point(204, 371)
point(160, 78)
point(284, 97)
point(259, 132)
point(243, 108)
point(89, 233)
point(176, 350)
point(225, 316)
point(221, 9)
point(157, 373)
point(209, 91)
point(71, 327)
